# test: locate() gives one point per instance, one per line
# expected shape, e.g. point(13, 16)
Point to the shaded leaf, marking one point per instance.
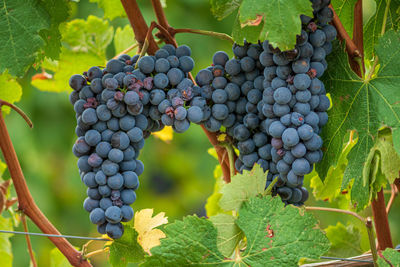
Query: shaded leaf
point(345, 240)
point(20, 21)
point(223, 8)
point(229, 234)
point(59, 12)
point(373, 28)
point(242, 187)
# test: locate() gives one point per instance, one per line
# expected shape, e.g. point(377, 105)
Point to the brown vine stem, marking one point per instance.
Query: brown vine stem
point(351, 47)
point(26, 203)
point(138, 24)
point(357, 63)
point(28, 241)
point(362, 219)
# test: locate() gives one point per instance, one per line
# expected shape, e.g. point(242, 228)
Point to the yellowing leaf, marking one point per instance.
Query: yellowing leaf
point(165, 134)
point(10, 90)
point(144, 224)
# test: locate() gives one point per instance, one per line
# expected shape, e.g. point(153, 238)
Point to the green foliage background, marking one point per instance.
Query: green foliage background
point(178, 176)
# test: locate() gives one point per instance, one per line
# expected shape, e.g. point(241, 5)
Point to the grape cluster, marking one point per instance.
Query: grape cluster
point(116, 109)
point(272, 103)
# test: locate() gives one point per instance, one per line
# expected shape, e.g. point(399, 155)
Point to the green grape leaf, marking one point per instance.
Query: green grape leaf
point(20, 23)
point(345, 11)
point(85, 44)
point(10, 90)
point(126, 249)
point(373, 28)
point(390, 258)
point(70, 63)
point(57, 259)
point(223, 8)
point(278, 235)
point(6, 254)
point(92, 35)
point(363, 105)
point(59, 12)
point(3, 168)
point(281, 19)
point(192, 241)
point(124, 38)
point(277, 21)
point(229, 234)
point(248, 33)
point(330, 189)
point(242, 187)
point(345, 240)
point(112, 8)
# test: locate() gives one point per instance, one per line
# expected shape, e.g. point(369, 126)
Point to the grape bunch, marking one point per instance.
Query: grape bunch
point(116, 109)
point(272, 103)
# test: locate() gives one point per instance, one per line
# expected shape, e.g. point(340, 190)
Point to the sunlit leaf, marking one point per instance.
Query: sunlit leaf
point(10, 90)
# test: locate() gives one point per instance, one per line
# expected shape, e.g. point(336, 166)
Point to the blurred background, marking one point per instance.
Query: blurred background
point(178, 176)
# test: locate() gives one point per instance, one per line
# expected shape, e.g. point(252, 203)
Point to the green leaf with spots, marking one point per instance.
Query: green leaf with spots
point(112, 8)
point(10, 90)
point(390, 258)
point(248, 33)
point(126, 249)
point(59, 12)
point(229, 234)
point(242, 187)
point(345, 11)
point(278, 235)
point(277, 21)
point(345, 240)
point(373, 28)
point(363, 105)
point(20, 24)
point(192, 241)
point(124, 38)
point(6, 254)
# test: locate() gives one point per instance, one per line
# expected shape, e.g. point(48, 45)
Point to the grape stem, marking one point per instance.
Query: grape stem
point(127, 50)
point(28, 241)
point(366, 221)
point(26, 203)
point(219, 35)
